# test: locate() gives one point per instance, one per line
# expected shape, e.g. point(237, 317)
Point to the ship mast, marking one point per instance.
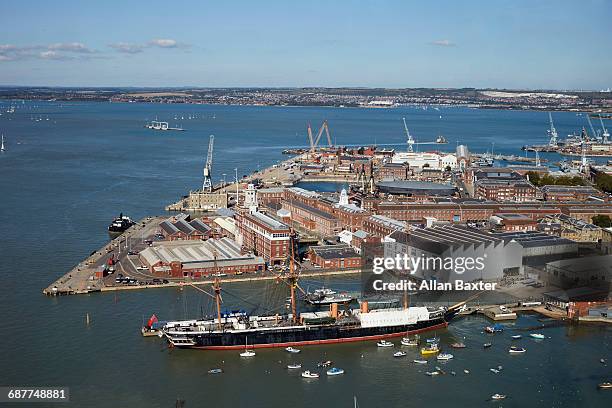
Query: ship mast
point(217, 288)
point(292, 281)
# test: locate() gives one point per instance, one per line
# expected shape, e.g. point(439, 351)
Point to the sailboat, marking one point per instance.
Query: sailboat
point(247, 352)
point(297, 329)
point(2, 145)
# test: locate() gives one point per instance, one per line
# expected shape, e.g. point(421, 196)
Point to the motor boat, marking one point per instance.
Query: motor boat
point(215, 371)
point(427, 351)
point(292, 350)
point(516, 350)
point(324, 363)
point(335, 371)
point(294, 366)
point(516, 337)
point(458, 345)
point(409, 342)
point(538, 336)
point(419, 361)
point(498, 397)
point(399, 354)
point(309, 374)
point(487, 345)
point(445, 357)
point(384, 343)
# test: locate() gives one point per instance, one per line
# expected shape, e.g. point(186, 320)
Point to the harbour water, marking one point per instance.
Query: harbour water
point(62, 181)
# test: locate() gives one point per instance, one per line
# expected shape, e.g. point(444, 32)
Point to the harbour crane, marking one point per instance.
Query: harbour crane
point(207, 185)
point(593, 133)
point(410, 140)
point(552, 132)
point(314, 142)
point(605, 135)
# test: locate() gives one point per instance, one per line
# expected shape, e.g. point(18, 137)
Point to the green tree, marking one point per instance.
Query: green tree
point(603, 181)
point(602, 221)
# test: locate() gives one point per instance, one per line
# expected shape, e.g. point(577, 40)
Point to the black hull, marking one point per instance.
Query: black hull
point(310, 335)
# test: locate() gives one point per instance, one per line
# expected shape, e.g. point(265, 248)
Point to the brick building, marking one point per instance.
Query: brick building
point(312, 218)
point(505, 190)
point(570, 193)
point(393, 171)
point(334, 256)
point(507, 222)
point(263, 235)
point(199, 259)
point(381, 226)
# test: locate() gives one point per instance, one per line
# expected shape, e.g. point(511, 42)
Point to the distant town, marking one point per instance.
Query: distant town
point(596, 101)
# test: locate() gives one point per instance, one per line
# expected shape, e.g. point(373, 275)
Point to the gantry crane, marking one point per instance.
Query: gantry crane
point(314, 142)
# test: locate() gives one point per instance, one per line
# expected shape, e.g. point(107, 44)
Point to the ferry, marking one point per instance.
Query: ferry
point(157, 125)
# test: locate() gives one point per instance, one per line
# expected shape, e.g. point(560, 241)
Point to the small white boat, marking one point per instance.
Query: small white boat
point(419, 361)
point(326, 363)
point(309, 374)
point(466, 371)
point(498, 397)
point(516, 337)
point(516, 350)
point(538, 336)
point(433, 340)
point(432, 373)
point(215, 371)
point(409, 342)
point(494, 370)
point(384, 343)
point(445, 357)
point(335, 371)
point(294, 366)
point(399, 354)
point(292, 350)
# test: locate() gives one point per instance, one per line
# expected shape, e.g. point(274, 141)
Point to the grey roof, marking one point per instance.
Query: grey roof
point(314, 210)
point(534, 239)
point(335, 251)
point(360, 234)
point(269, 221)
point(416, 185)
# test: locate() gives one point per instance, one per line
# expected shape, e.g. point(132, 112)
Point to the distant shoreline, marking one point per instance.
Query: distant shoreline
point(374, 98)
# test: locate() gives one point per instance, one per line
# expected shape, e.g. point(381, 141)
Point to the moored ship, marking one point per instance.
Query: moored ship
point(233, 330)
point(120, 225)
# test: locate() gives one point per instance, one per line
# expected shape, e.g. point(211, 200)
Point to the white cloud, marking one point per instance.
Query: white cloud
point(127, 47)
point(52, 55)
point(443, 43)
point(134, 48)
point(56, 51)
point(164, 43)
point(70, 47)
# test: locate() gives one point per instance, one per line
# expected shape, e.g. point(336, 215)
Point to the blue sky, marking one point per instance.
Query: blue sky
point(513, 44)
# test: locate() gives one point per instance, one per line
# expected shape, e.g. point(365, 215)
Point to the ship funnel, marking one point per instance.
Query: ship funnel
point(333, 310)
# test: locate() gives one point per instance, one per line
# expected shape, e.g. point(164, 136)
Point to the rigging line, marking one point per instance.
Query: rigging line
point(200, 289)
point(240, 298)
